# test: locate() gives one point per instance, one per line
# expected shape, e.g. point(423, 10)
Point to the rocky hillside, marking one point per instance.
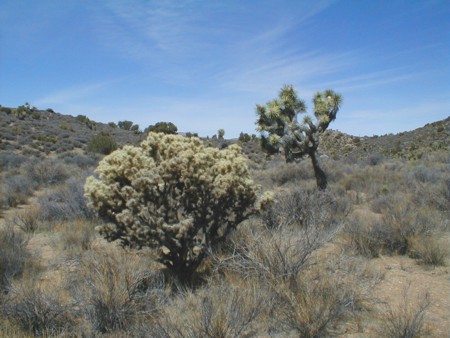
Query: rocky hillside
point(408, 145)
point(35, 132)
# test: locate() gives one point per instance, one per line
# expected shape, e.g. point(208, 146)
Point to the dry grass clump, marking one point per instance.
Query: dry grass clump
point(313, 305)
point(400, 228)
point(320, 299)
point(65, 203)
point(15, 190)
point(429, 250)
point(115, 290)
point(273, 253)
point(46, 172)
point(10, 161)
point(405, 320)
point(27, 220)
point(305, 208)
point(38, 310)
point(220, 310)
point(76, 236)
point(310, 292)
point(13, 255)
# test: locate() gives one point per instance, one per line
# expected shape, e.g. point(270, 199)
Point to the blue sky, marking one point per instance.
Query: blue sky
point(204, 65)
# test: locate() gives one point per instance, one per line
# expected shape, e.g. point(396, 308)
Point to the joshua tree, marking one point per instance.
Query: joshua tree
point(221, 134)
point(282, 132)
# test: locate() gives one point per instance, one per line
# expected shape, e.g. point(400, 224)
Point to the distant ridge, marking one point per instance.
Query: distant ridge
point(34, 132)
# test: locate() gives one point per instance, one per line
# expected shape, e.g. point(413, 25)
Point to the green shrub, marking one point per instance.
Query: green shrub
point(102, 144)
point(163, 127)
point(66, 127)
point(86, 121)
point(46, 138)
point(6, 110)
point(244, 137)
point(174, 194)
point(125, 125)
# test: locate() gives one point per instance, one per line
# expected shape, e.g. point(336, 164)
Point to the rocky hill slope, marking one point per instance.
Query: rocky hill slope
point(35, 132)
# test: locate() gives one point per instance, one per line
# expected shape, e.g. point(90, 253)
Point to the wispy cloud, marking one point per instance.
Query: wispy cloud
point(372, 79)
point(147, 29)
point(191, 39)
point(76, 93)
point(265, 76)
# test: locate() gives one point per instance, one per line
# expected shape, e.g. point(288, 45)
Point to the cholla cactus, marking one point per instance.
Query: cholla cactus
point(174, 194)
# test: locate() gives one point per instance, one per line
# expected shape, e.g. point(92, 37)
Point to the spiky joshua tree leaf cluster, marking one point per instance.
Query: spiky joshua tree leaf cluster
point(174, 194)
point(277, 120)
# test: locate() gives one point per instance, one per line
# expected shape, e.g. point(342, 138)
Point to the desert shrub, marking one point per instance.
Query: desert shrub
point(125, 125)
point(324, 295)
point(65, 203)
point(47, 171)
point(244, 137)
point(76, 235)
point(220, 310)
point(405, 320)
point(429, 250)
point(294, 227)
point(306, 208)
point(313, 304)
point(102, 144)
point(37, 310)
point(174, 194)
point(45, 138)
point(434, 196)
point(380, 203)
point(11, 160)
point(308, 292)
point(423, 174)
point(116, 288)
point(27, 220)
point(16, 190)
point(80, 161)
point(6, 110)
point(367, 239)
point(274, 254)
point(86, 121)
point(374, 159)
point(162, 127)
point(400, 222)
point(190, 134)
point(66, 127)
point(13, 255)
point(290, 173)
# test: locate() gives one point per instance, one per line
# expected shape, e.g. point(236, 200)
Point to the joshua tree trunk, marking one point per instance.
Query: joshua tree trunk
point(321, 178)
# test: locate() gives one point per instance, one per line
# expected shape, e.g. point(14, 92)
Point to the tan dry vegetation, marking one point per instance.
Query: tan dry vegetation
point(262, 283)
